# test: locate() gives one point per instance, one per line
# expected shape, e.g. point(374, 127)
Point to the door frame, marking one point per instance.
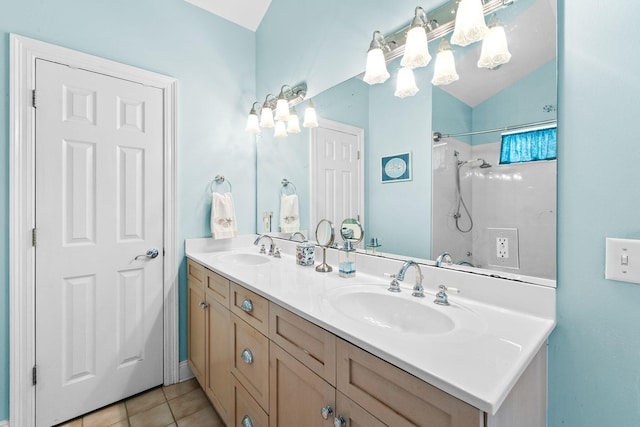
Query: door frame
point(24, 52)
point(313, 167)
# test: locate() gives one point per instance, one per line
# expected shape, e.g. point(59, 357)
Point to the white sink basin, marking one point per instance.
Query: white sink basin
point(391, 311)
point(245, 259)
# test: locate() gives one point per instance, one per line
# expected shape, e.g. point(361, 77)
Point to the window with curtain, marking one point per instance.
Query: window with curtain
point(528, 146)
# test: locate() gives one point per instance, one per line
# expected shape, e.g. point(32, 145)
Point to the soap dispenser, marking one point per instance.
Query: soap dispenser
point(347, 260)
point(352, 234)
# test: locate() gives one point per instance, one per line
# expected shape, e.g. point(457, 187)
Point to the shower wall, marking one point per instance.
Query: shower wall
point(520, 196)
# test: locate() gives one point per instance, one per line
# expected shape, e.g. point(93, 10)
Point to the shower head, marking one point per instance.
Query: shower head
point(484, 164)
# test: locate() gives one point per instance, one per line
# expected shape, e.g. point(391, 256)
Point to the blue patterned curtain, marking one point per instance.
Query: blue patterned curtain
point(528, 146)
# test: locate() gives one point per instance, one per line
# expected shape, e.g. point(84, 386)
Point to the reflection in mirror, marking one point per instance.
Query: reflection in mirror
point(413, 217)
point(325, 236)
point(351, 231)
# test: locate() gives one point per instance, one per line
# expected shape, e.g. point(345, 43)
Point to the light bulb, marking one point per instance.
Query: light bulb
point(376, 71)
point(252, 123)
point(293, 125)
point(416, 50)
point(406, 83)
point(494, 48)
point(444, 71)
point(310, 117)
point(266, 118)
point(282, 109)
point(280, 131)
point(470, 26)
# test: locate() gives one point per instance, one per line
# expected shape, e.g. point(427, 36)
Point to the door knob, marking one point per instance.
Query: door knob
point(151, 253)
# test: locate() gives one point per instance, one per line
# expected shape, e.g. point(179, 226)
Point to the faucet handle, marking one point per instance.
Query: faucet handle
point(442, 297)
point(276, 253)
point(394, 286)
point(262, 249)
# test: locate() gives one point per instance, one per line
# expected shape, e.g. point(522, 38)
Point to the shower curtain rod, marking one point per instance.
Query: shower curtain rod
point(437, 135)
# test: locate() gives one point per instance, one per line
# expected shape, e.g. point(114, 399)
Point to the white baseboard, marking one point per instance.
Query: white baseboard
point(4, 423)
point(184, 373)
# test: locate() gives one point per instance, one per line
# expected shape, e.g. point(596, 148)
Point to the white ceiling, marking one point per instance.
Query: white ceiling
point(246, 13)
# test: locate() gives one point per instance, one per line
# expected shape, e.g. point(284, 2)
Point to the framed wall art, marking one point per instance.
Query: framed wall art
point(396, 167)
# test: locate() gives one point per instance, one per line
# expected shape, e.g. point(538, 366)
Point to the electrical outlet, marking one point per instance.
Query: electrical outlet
point(502, 247)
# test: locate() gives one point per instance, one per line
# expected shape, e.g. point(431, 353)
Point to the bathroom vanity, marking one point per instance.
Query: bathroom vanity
point(276, 344)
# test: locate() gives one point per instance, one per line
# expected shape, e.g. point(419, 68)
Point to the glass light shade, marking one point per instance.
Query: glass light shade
point(310, 117)
point(416, 50)
point(252, 123)
point(281, 130)
point(266, 118)
point(494, 48)
point(444, 71)
point(376, 71)
point(282, 110)
point(293, 125)
point(470, 26)
point(406, 83)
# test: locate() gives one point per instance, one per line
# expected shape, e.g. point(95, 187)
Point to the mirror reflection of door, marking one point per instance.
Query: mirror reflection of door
point(336, 173)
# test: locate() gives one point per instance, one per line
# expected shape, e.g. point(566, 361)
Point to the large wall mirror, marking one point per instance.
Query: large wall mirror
point(456, 196)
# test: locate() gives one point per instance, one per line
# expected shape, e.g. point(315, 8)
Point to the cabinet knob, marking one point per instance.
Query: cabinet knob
point(246, 421)
point(326, 412)
point(247, 306)
point(204, 305)
point(339, 421)
point(247, 356)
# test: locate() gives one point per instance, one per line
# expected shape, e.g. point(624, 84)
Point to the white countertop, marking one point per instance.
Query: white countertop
point(499, 324)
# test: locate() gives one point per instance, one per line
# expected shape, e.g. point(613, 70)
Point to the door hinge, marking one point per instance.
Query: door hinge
point(34, 237)
point(34, 375)
point(33, 98)
point(358, 154)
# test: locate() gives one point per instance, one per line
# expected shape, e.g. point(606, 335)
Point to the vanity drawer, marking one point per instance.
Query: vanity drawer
point(195, 273)
point(245, 407)
point(250, 307)
point(396, 397)
point(310, 344)
point(250, 360)
point(217, 287)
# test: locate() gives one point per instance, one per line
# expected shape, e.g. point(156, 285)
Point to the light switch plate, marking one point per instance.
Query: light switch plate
point(622, 260)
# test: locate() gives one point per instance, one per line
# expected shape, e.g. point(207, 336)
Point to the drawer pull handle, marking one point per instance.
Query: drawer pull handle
point(247, 306)
point(247, 356)
point(326, 412)
point(339, 421)
point(246, 421)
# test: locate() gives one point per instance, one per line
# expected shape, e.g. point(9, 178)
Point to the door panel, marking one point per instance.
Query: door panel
point(99, 204)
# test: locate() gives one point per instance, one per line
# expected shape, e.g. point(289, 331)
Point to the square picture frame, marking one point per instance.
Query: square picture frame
point(396, 168)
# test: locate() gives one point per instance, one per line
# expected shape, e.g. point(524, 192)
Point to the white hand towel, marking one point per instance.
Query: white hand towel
point(289, 213)
point(223, 216)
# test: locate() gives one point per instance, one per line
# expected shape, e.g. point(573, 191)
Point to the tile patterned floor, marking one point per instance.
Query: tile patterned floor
point(178, 405)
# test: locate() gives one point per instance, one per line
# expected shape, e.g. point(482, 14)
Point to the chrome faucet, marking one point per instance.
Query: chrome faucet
point(444, 257)
point(272, 246)
point(418, 290)
point(296, 234)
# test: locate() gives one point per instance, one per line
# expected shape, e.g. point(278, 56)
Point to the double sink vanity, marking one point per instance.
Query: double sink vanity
point(277, 344)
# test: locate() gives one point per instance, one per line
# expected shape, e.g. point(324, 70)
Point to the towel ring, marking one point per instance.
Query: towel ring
point(285, 184)
point(219, 179)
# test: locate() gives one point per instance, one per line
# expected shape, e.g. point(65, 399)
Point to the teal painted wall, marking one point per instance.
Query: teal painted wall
point(594, 374)
point(451, 116)
point(214, 62)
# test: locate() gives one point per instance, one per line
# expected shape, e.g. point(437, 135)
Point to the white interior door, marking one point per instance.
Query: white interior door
point(99, 204)
point(337, 176)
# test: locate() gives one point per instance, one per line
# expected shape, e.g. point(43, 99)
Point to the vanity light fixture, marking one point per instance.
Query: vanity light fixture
point(494, 46)
point(281, 130)
point(253, 125)
point(293, 124)
point(310, 117)
point(406, 83)
point(266, 116)
point(470, 26)
point(416, 49)
point(286, 118)
point(444, 71)
point(376, 70)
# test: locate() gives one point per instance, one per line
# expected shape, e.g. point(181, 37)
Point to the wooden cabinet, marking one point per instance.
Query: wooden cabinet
point(208, 328)
point(196, 321)
point(262, 365)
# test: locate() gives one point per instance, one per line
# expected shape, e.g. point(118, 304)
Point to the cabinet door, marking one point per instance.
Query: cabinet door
point(353, 415)
point(297, 395)
point(218, 387)
point(197, 334)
